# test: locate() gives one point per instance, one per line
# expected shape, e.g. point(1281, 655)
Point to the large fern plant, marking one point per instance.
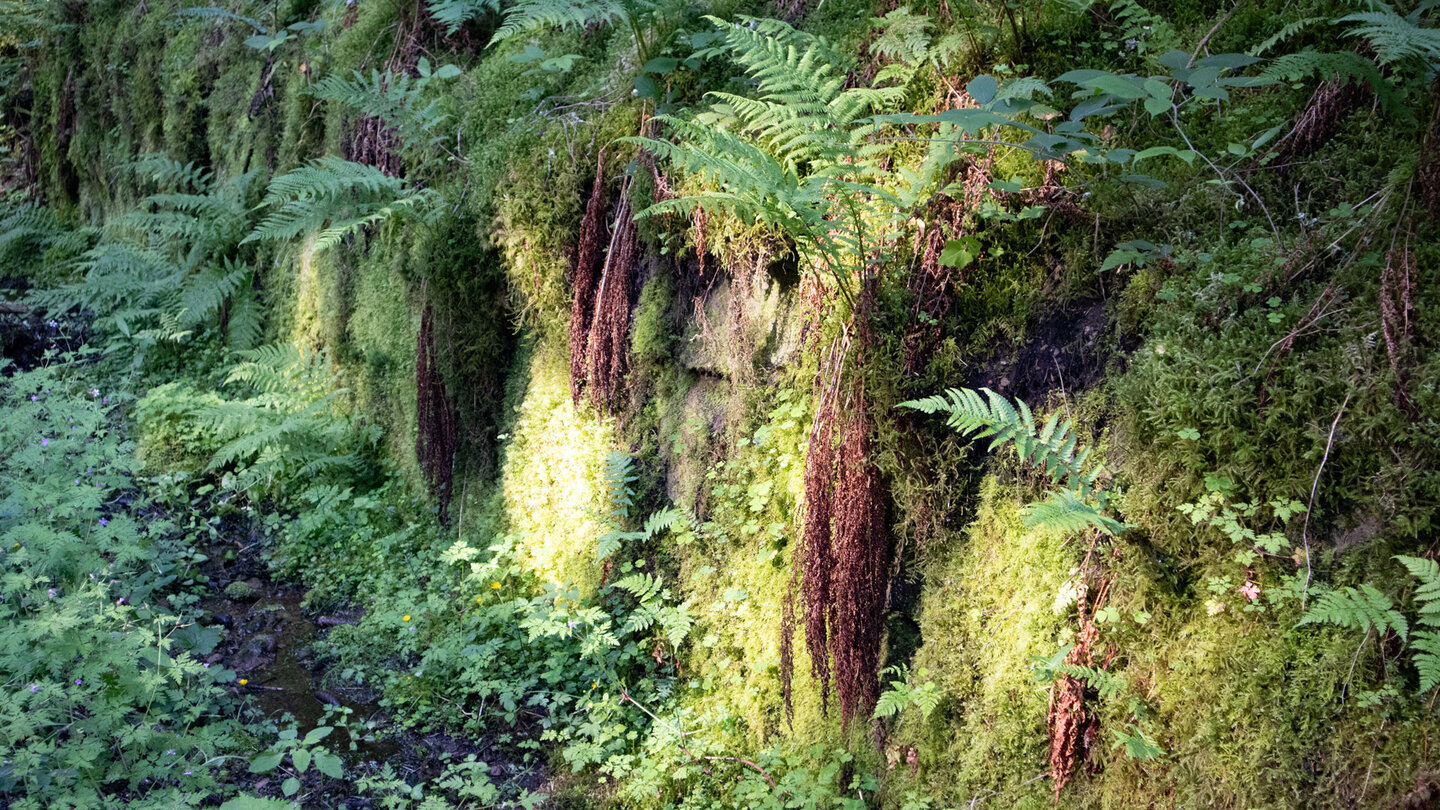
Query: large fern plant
point(398, 100)
point(330, 199)
point(799, 157)
point(1052, 449)
point(173, 267)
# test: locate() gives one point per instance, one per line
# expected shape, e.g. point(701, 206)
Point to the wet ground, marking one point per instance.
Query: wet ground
point(269, 642)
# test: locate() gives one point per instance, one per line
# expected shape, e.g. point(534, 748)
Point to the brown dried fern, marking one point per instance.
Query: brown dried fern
point(610, 328)
point(585, 275)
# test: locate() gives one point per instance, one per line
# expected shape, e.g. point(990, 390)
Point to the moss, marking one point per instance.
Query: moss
point(551, 483)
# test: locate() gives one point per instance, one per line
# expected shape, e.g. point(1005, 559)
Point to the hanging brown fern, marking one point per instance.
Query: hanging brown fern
point(861, 566)
point(842, 559)
point(1397, 281)
point(814, 557)
point(435, 422)
point(1331, 104)
point(610, 328)
point(584, 275)
point(1427, 174)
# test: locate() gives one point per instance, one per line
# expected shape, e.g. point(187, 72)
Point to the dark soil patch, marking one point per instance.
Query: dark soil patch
point(1064, 351)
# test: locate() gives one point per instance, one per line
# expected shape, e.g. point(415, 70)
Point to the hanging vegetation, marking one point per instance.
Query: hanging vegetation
point(610, 329)
point(435, 420)
point(585, 272)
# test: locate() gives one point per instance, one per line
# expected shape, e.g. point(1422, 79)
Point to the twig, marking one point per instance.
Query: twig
point(1305, 530)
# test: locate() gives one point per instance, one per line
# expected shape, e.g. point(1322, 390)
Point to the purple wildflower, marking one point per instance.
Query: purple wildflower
point(104, 522)
point(44, 442)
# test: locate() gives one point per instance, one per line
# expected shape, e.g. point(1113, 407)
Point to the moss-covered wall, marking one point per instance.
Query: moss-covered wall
point(1171, 365)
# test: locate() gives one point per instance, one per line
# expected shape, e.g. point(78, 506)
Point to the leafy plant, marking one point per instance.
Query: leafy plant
point(333, 198)
point(302, 752)
point(902, 693)
point(1052, 449)
point(107, 704)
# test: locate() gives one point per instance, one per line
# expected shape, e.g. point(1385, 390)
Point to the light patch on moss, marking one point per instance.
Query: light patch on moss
point(551, 478)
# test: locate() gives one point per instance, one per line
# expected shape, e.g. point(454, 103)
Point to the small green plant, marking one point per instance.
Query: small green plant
point(302, 753)
point(903, 693)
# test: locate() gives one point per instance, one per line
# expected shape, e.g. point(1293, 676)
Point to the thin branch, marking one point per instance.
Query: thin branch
point(1305, 530)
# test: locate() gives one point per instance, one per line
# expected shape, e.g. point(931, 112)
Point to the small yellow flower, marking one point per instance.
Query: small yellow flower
point(494, 586)
point(479, 599)
point(244, 681)
point(595, 685)
point(405, 618)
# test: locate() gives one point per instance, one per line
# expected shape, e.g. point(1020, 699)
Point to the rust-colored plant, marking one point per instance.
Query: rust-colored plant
point(435, 421)
point(584, 276)
point(610, 328)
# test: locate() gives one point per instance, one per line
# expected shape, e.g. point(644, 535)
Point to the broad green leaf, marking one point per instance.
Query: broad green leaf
point(982, 88)
point(329, 764)
point(266, 762)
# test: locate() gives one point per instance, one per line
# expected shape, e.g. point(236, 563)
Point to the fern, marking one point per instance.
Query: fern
point(1286, 33)
point(1363, 608)
point(169, 173)
point(531, 15)
point(1394, 38)
point(1053, 449)
point(394, 99)
point(902, 37)
point(219, 14)
point(797, 157)
point(1066, 511)
point(332, 198)
point(454, 13)
point(1425, 644)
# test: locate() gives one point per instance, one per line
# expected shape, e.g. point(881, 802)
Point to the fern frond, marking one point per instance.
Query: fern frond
point(1363, 608)
point(619, 474)
point(454, 13)
point(1427, 595)
point(902, 37)
point(1395, 38)
point(1425, 646)
point(644, 587)
point(1286, 32)
point(1065, 511)
point(167, 172)
point(531, 15)
point(246, 321)
point(335, 197)
point(1053, 449)
point(212, 13)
